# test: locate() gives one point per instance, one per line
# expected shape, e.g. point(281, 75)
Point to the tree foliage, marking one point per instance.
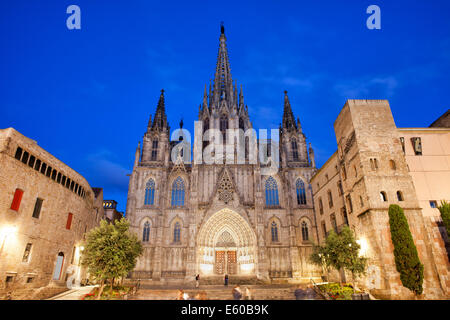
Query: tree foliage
point(405, 252)
point(111, 250)
point(444, 208)
point(340, 251)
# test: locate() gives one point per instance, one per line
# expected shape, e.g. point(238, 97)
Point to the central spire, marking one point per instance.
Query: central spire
point(223, 83)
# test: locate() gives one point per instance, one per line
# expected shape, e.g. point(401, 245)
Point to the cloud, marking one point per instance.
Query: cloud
point(364, 87)
point(104, 172)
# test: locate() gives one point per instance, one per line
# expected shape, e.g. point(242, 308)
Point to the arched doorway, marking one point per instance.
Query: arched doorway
point(226, 244)
point(58, 266)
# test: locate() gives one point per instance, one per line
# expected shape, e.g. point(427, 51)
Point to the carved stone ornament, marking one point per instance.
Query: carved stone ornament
point(225, 189)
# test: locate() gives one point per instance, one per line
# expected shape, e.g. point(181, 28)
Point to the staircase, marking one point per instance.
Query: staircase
point(218, 292)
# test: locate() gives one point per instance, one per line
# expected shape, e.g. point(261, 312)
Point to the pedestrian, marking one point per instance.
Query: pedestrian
point(197, 280)
point(225, 279)
point(310, 293)
point(299, 293)
point(248, 294)
point(237, 293)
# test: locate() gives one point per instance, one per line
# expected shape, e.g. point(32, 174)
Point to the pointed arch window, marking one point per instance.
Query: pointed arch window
point(178, 192)
point(146, 232)
point(154, 150)
point(241, 124)
point(301, 193)
point(271, 192)
point(305, 231)
point(274, 231)
point(150, 192)
point(224, 126)
point(294, 150)
point(176, 232)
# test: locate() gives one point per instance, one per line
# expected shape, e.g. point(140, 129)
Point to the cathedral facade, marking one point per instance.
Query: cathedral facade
point(224, 217)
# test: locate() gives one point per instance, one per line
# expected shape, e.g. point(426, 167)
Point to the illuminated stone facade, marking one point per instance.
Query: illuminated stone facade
point(46, 208)
point(216, 219)
point(378, 164)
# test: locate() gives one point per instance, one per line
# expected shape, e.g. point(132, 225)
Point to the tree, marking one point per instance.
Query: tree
point(111, 251)
point(444, 208)
point(405, 252)
point(340, 251)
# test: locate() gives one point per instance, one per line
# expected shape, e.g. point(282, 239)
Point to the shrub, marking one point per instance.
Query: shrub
point(405, 252)
point(444, 208)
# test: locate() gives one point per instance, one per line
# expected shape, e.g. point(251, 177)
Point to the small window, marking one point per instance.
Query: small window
point(25, 157)
point(320, 206)
point(68, 183)
point(37, 165)
point(349, 203)
point(383, 196)
point(26, 254)
point(392, 164)
point(330, 199)
point(58, 177)
point(305, 232)
point(402, 142)
point(361, 202)
point(37, 208)
point(333, 222)
point(32, 161)
point(417, 145)
point(274, 231)
point(344, 172)
point(324, 229)
point(69, 221)
point(176, 232)
point(9, 279)
point(399, 196)
point(433, 203)
point(340, 190)
point(54, 174)
point(19, 152)
point(17, 199)
point(146, 232)
point(43, 168)
point(30, 279)
point(49, 171)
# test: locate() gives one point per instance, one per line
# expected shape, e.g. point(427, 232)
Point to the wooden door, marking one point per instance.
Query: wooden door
point(231, 262)
point(220, 262)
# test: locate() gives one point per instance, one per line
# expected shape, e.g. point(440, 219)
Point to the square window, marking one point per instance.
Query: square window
point(30, 279)
point(433, 204)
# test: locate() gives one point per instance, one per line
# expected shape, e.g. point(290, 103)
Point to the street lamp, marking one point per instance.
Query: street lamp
point(5, 232)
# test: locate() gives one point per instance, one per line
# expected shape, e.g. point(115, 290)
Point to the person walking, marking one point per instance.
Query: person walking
point(197, 280)
point(237, 293)
point(225, 280)
point(299, 293)
point(248, 294)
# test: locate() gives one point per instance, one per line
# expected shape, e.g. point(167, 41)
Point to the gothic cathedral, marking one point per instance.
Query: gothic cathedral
point(217, 219)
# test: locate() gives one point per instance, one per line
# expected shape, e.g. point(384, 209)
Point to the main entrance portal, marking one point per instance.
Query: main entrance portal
point(226, 245)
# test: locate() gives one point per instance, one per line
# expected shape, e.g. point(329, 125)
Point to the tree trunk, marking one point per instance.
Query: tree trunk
point(100, 290)
point(112, 283)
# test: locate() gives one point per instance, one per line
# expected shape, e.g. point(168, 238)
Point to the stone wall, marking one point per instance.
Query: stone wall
point(47, 233)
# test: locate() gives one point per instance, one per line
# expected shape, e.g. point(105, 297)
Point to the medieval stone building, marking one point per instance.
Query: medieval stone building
point(376, 165)
point(223, 217)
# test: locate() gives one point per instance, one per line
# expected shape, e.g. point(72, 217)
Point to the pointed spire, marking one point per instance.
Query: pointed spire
point(181, 123)
point(299, 125)
point(149, 125)
point(288, 115)
point(160, 120)
point(205, 98)
point(241, 98)
point(137, 155)
point(311, 156)
point(223, 83)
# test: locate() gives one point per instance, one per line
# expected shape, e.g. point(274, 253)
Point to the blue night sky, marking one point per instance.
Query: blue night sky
point(86, 95)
